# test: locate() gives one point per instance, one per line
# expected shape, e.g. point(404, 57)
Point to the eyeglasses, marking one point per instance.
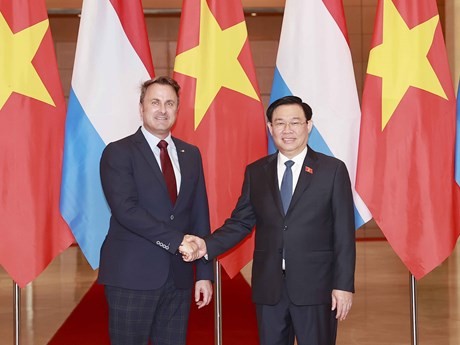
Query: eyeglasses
point(294, 125)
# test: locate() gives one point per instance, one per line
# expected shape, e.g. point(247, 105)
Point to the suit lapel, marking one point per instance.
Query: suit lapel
point(310, 165)
point(184, 165)
point(272, 177)
point(147, 153)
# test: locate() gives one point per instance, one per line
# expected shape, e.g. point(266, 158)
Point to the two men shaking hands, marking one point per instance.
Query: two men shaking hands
point(304, 256)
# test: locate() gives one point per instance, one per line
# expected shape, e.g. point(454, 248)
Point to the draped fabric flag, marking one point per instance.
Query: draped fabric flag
point(112, 60)
point(314, 62)
point(32, 116)
point(406, 152)
point(221, 111)
point(457, 145)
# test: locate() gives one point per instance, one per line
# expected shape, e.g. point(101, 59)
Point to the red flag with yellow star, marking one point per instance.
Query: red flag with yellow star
point(406, 153)
point(32, 114)
point(220, 107)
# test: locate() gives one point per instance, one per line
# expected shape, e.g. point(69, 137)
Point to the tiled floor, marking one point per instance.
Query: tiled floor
point(380, 315)
point(47, 301)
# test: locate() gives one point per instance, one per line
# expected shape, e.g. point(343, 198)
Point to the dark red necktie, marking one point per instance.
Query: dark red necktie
point(168, 171)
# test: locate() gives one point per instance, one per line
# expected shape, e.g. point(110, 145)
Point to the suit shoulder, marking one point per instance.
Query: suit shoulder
point(180, 142)
point(183, 145)
point(323, 158)
point(126, 140)
point(120, 143)
point(262, 161)
point(332, 165)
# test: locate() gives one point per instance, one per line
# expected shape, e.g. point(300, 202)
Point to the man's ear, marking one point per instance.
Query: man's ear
point(270, 128)
point(309, 126)
point(141, 111)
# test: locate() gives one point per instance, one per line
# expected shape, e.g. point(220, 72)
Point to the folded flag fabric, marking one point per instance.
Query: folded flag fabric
point(314, 62)
point(406, 152)
point(32, 116)
point(112, 60)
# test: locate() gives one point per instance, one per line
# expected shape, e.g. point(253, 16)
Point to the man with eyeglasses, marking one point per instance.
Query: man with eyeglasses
point(304, 258)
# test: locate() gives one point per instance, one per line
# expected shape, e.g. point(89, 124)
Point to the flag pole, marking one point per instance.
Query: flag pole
point(413, 309)
point(17, 311)
point(217, 305)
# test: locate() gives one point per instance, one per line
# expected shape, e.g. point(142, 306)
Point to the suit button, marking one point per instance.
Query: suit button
point(171, 217)
point(285, 227)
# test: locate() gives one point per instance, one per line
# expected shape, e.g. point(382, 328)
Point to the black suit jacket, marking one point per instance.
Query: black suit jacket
point(145, 232)
point(317, 232)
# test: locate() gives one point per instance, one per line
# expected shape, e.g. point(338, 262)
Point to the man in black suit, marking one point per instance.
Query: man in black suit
point(304, 257)
point(154, 185)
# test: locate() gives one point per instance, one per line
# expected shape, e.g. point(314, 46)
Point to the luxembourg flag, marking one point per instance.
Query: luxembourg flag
point(314, 62)
point(112, 60)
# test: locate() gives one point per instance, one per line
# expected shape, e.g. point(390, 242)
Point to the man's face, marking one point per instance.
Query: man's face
point(289, 129)
point(158, 109)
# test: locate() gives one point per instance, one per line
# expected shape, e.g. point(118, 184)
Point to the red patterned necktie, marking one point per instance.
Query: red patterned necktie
point(168, 171)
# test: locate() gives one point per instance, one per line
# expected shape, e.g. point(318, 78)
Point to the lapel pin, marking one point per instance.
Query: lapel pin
point(182, 150)
point(309, 170)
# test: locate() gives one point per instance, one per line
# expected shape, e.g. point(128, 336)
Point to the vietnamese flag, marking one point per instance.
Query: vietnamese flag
point(32, 115)
point(220, 108)
point(406, 152)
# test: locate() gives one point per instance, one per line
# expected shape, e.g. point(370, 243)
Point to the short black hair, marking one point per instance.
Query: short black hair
point(162, 80)
point(289, 100)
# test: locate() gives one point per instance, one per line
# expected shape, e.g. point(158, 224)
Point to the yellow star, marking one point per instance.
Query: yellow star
point(401, 60)
point(214, 62)
point(16, 69)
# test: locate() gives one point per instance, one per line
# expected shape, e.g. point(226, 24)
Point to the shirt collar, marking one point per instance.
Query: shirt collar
point(298, 160)
point(154, 140)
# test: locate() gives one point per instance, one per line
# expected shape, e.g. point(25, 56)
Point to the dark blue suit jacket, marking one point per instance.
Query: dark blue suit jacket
point(317, 232)
point(141, 247)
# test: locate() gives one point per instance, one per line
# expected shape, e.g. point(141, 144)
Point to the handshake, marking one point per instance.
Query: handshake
point(192, 248)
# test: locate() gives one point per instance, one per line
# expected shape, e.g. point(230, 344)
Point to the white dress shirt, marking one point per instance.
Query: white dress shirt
point(296, 169)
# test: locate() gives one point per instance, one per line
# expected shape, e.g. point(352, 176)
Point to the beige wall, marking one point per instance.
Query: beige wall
point(453, 37)
point(264, 31)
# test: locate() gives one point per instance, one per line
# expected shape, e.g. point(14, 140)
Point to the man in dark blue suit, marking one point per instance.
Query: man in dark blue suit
point(154, 185)
point(304, 257)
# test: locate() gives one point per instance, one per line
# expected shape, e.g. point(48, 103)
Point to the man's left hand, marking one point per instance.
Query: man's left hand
point(203, 293)
point(342, 301)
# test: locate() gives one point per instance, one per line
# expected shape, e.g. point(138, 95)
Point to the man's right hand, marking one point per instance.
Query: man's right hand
point(192, 248)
